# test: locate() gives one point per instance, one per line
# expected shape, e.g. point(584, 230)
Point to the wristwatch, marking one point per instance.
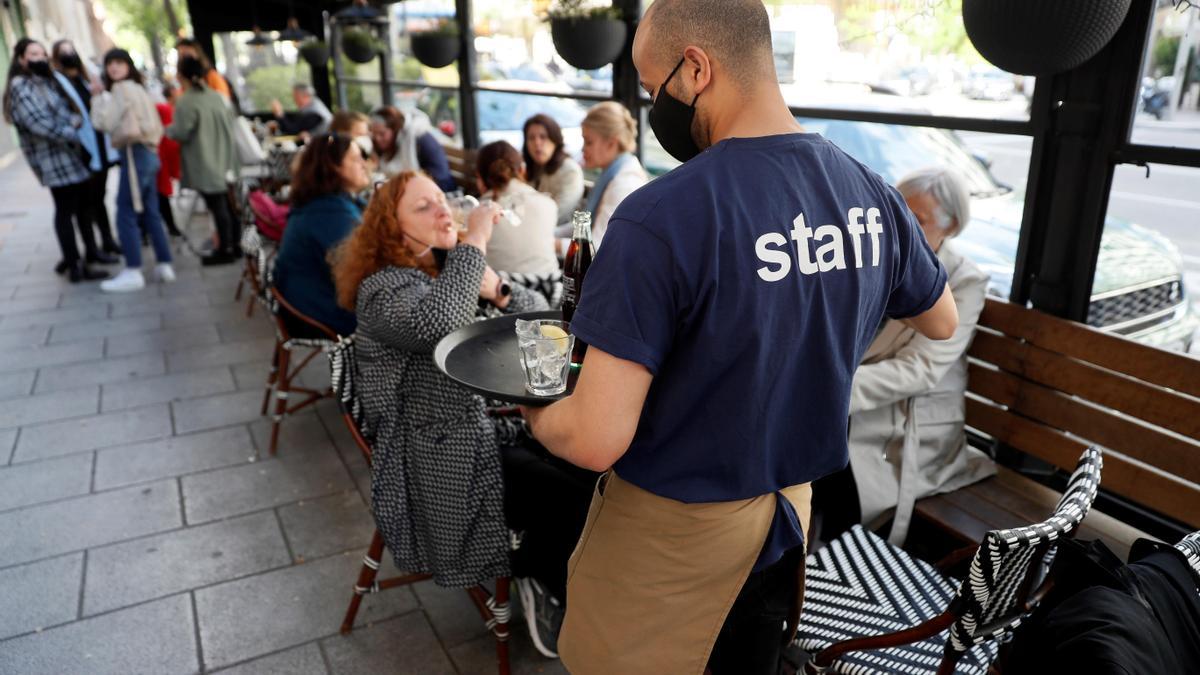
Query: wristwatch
point(503, 290)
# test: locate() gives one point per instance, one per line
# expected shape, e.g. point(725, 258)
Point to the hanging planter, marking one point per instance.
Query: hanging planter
point(1041, 37)
point(314, 52)
point(587, 38)
point(359, 45)
point(436, 48)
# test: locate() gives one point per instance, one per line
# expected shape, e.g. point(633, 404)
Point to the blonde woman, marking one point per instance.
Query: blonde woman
point(609, 138)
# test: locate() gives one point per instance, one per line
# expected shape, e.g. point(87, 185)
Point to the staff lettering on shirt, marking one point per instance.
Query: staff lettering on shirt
point(830, 255)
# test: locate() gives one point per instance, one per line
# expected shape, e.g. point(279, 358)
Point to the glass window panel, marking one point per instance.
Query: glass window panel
point(515, 49)
point(1148, 273)
point(1168, 102)
point(441, 105)
point(415, 16)
point(260, 74)
point(502, 116)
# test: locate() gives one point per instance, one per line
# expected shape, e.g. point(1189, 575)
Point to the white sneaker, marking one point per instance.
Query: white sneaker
point(128, 280)
point(543, 614)
point(164, 272)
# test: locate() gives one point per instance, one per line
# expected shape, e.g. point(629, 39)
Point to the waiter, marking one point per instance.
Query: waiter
point(726, 314)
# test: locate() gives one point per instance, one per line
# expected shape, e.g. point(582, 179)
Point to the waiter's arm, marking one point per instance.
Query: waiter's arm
point(938, 322)
point(594, 426)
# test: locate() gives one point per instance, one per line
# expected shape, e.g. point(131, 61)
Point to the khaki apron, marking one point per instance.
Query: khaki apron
point(652, 579)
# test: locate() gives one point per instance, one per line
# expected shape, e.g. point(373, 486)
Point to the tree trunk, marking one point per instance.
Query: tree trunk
point(156, 53)
point(172, 19)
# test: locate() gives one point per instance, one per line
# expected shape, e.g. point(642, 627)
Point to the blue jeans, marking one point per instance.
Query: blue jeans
point(146, 162)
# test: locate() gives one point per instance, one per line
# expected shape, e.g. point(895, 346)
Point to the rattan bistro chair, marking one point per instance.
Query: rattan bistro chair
point(256, 258)
point(494, 609)
point(871, 608)
point(283, 373)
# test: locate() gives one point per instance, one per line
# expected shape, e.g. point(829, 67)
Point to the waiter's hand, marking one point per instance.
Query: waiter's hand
point(593, 427)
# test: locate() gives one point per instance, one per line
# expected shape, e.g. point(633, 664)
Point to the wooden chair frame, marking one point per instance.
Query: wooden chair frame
point(283, 372)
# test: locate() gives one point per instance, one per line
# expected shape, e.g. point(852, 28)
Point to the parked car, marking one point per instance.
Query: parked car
point(989, 84)
point(1138, 291)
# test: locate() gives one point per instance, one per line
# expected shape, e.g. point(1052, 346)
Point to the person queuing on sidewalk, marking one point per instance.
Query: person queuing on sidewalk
point(126, 113)
point(79, 85)
point(725, 315)
point(204, 129)
point(48, 128)
point(168, 157)
point(549, 168)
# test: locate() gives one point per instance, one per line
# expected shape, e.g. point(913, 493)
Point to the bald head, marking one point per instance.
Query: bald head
point(734, 33)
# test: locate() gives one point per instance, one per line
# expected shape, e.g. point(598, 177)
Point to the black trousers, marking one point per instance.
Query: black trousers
point(167, 215)
point(752, 639)
point(547, 499)
point(97, 186)
point(222, 213)
point(72, 209)
point(835, 505)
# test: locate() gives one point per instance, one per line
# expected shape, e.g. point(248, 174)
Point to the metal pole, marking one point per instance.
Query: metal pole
point(625, 76)
point(385, 60)
point(469, 118)
point(339, 68)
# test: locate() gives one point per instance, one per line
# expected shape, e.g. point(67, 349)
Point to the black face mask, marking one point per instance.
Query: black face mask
point(671, 120)
point(71, 61)
point(39, 68)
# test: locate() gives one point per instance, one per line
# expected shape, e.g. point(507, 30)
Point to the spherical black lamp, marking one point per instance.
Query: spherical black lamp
point(1041, 37)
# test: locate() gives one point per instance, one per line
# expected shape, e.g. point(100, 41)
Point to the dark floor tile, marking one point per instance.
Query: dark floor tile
point(166, 389)
point(91, 433)
point(401, 646)
point(40, 594)
point(128, 573)
point(75, 524)
point(307, 602)
point(37, 482)
point(111, 370)
point(157, 637)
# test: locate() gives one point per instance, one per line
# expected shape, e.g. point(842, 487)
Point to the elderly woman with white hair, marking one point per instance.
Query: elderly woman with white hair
point(907, 401)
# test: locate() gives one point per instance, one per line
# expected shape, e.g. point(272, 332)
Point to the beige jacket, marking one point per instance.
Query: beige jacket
point(527, 248)
point(907, 409)
point(129, 117)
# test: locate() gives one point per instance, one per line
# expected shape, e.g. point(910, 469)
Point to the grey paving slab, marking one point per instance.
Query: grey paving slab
point(156, 305)
point(242, 489)
point(39, 595)
point(303, 660)
point(452, 613)
point(125, 574)
point(252, 374)
point(239, 330)
point(306, 602)
point(91, 433)
point(175, 456)
point(207, 315)
point(30, 336)
point(401, 646)
point(54, 317)
point(37, 482)
point(39, 303)
point(118, 369)
point(301, 433)
point(332, 524)
point(16, 385)
point(479, 656)
point(144, 391)
point(75, 524)
point(220, 355)
point(220, 410)
point(157, 637)
point(161, 341)
point(47, 407)
point(26, 358)
point(8, 438)
point(83, 330)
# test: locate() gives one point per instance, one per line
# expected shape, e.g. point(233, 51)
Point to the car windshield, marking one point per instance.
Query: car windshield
point(893, 151)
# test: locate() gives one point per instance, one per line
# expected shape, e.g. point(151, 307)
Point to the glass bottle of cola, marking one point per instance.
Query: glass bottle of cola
point(575, 267)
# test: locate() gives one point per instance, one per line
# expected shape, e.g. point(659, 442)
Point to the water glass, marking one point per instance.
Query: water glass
point(545, 347)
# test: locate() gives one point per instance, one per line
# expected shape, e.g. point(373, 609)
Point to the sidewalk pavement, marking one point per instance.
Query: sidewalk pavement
point(144, 529)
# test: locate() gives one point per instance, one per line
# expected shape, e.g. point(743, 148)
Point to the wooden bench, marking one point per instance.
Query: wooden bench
point(462, 167)
point(1049, 388)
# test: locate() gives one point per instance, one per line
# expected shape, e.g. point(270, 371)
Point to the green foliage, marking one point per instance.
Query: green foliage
point(361, 37)
point(274, 83)
point(581, 9)
point(313, 48)
point(141, 21)
point(1163, 56)
point(934, 26)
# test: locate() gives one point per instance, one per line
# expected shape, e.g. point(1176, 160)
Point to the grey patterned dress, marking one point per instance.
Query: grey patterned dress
point(436, 486)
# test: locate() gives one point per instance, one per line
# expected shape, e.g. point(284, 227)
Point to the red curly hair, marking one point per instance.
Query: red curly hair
point(376, 243)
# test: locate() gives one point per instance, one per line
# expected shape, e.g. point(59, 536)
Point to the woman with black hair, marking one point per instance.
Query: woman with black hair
point(126, 112)
point(204, 128)
point(48, 127)
point(548, 168)
point(79, 86)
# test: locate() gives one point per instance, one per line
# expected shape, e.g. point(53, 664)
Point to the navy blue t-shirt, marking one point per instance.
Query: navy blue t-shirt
point(749, 282)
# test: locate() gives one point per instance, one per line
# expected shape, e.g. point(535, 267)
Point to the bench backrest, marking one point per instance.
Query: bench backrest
point(462, 167)
point(1050, 388)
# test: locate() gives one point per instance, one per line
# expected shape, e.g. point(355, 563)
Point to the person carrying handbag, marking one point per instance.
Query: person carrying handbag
point(126, 112)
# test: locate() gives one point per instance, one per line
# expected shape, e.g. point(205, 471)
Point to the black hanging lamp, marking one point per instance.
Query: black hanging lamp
point(1041, 37)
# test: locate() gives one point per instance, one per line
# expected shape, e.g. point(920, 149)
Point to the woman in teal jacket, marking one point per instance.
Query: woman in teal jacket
point(331, 169)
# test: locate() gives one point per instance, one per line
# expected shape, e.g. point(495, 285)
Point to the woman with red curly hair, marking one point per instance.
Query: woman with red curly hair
point(440, 497)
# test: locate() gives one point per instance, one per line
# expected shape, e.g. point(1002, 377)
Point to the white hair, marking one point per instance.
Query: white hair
point(947, 189)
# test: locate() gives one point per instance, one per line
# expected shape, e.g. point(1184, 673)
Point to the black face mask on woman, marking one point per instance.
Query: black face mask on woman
point(71, 60)
point(671, 120)
point(39, 68)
